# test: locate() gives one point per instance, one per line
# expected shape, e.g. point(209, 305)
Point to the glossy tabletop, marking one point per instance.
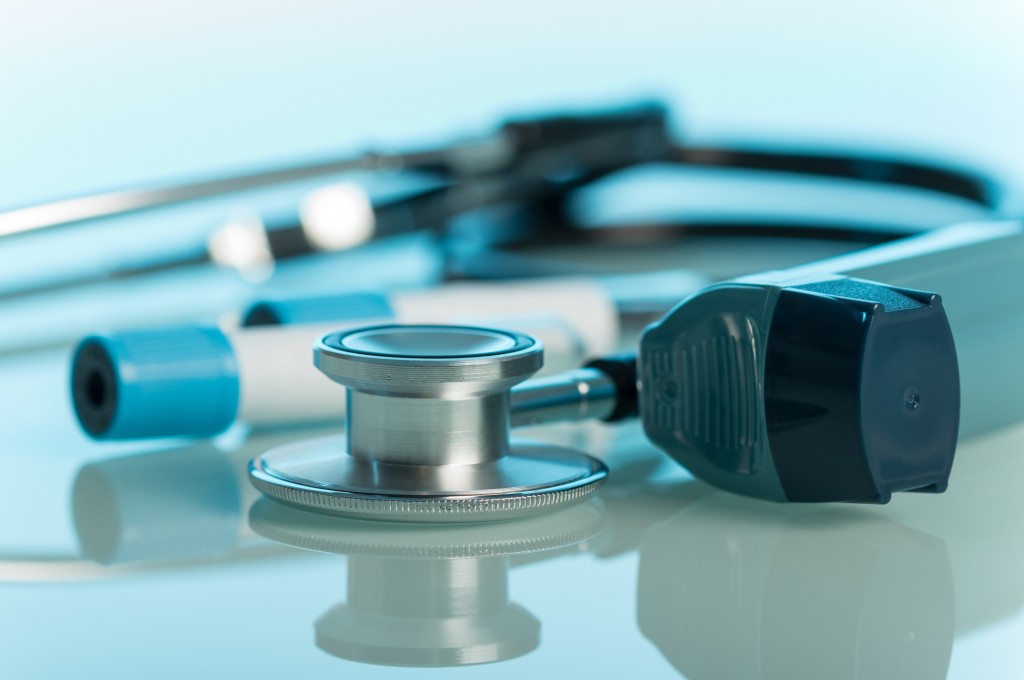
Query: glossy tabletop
point(163, 563)
point(158, 559)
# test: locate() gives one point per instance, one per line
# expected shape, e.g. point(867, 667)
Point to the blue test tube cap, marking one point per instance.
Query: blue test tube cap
point(166, 382)
point(320, 309)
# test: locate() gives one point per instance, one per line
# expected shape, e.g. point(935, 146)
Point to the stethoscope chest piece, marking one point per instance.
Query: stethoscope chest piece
point(427, 432)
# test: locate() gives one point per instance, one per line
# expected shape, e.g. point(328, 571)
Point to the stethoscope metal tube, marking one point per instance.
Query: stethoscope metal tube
point(542, 164)
point(251, 243)
point(532, 162)
point(938, 179)
point(605, 138)
point(580, 394)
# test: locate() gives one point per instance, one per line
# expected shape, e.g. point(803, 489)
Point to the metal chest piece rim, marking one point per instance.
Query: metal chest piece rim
point(428, 432)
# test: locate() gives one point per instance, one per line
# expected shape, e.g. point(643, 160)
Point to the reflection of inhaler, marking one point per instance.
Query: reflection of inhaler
point(176, 504)
point(731, 589)
point(978, 520)
point(727, 589)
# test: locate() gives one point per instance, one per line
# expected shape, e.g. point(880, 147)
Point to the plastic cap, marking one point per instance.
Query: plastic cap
point(318, 309)
point(862, 391)
point(165, 382)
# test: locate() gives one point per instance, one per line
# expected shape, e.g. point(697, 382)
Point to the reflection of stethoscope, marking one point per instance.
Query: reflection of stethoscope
point(435, 598)
point(183, 504)
point(439, 596)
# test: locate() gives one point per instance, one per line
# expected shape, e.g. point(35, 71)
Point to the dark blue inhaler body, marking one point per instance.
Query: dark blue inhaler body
point(814, 390)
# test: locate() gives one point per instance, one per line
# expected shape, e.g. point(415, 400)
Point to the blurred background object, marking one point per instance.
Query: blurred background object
point(242, 98)
point(107, 96)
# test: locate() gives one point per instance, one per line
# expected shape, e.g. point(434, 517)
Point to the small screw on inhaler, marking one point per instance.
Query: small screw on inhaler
point(814, 390)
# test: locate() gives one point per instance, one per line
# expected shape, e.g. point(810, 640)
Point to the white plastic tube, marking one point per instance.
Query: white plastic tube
point(574, 318)
point(279, 384)
point(978, 270)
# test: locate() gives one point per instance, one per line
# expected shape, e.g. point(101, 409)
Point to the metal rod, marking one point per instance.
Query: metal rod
point(606, 139)
point(97, 206)
point(580, 394)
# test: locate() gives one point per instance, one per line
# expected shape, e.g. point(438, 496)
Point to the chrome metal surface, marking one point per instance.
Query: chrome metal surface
point(322, 476)
point(71, 211)
point(354, 537)
point(428, 432)
point(574, 395)
point(428, 597)
point(476, 361)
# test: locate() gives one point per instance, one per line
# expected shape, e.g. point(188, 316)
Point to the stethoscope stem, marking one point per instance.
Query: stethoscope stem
point(580, 394)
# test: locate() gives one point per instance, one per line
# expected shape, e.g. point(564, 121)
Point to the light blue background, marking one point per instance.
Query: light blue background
point(110, 93)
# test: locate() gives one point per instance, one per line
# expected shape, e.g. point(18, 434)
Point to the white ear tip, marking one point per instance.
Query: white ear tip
point(241, 244)
point(337, 217)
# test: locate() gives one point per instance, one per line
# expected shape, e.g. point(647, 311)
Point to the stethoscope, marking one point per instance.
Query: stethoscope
point(728, 383)
point(525, 157)
point(528, 170)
